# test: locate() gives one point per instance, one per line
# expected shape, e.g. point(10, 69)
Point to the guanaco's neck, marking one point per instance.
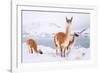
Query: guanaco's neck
point(68, 29)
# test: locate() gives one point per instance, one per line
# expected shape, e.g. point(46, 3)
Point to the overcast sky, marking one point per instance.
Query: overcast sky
point(35, 20)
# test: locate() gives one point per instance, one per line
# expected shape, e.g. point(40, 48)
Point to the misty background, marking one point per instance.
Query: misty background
point(42, 26)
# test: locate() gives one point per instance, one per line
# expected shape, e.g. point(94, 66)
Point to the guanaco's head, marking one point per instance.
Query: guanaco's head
point(69, 19)
point(75, 34)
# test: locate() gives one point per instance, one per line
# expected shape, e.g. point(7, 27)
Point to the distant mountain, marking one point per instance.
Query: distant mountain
point(46, 30)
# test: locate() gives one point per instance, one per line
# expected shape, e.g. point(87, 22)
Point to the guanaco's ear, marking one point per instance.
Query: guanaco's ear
point(66, 19)
point(71, 18)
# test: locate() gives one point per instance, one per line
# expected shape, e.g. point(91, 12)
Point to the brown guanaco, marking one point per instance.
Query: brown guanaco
point(33, 46)
point(64, 40)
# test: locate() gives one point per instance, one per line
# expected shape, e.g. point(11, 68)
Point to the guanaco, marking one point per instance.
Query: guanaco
point(71, 42)
point(62, 39)
point(33, 46)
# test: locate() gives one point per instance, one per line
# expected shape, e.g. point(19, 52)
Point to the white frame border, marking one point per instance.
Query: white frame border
point(53, 65)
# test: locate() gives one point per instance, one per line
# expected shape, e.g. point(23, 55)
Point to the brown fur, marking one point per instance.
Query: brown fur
point(61, 37)
point(33, 46)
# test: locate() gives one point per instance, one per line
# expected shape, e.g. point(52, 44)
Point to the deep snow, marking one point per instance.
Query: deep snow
point(49, 54)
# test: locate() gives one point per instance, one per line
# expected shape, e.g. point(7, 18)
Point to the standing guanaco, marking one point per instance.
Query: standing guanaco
point(71, 42)
point(62, 39)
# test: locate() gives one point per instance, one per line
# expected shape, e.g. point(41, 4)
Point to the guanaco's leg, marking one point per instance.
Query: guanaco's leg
point(31, 50)
point(61, 51)
point(56, 51)
point(65, 52)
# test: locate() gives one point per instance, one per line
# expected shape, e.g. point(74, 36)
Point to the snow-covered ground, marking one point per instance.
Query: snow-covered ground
point(49, 54)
